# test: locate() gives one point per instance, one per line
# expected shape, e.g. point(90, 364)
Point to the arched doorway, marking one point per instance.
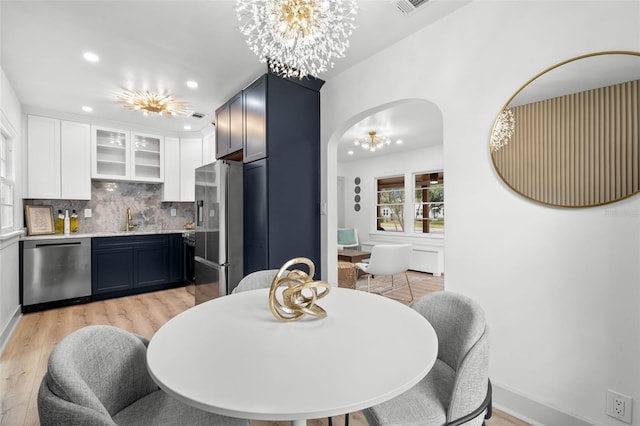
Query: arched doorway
point(417, 122)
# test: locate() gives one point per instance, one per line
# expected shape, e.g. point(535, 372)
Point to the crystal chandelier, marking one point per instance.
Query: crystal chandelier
point(372, 142)
point(503, 129)
point(148, 102)
point(297, 37)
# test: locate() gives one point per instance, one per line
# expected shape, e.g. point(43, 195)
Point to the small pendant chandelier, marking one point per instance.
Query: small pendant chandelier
point(372, 142)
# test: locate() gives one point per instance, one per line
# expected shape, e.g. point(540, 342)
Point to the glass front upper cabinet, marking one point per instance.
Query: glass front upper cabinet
point(147, 157)
point(123, 155)
point(111, 156)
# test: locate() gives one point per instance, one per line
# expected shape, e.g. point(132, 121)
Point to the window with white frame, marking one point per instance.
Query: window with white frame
point(390, 204)
point(429, 203)
point(6, 184)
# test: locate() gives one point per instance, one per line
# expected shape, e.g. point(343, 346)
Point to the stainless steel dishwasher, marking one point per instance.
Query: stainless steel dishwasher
point(55, 270)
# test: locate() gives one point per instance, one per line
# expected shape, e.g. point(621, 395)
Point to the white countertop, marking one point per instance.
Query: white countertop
point(102, 234)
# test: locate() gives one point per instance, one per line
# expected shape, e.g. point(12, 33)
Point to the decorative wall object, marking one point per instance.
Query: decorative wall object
point(39, 220)
point(356, 207)
point(579, 147)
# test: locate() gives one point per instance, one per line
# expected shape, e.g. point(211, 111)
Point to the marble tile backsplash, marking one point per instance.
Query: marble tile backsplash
point(109, 202)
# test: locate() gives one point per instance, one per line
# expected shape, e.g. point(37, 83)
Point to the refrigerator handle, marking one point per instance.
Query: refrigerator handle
point(224, 285)
point(199, 212)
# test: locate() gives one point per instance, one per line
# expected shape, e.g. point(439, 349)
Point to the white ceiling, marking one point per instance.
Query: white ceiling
point(417, 123)
point(159, 45)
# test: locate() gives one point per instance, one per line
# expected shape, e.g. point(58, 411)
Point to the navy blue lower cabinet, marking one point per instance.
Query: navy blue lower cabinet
point(135, 264)
point(111, 269)
point(151, 265)
point(176, 258)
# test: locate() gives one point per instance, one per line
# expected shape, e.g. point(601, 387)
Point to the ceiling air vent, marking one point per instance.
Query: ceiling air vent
point(197, 115)
point(408, 6)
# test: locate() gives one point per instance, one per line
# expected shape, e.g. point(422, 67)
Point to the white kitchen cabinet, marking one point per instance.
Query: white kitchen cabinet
point(182, 157)
point(58, 159)
point(171, 187)
point(147, 157)
point(209, 148)
point(43, 157)
point(190, 159)
point(75, 161)
point(111, 153)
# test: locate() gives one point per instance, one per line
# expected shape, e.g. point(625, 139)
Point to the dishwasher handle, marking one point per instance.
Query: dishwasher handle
point(52, 244)
point(78, 243)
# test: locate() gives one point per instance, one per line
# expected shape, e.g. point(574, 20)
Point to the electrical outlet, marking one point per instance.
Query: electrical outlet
point(87, 213)
point(619, 406)
point(173, 212)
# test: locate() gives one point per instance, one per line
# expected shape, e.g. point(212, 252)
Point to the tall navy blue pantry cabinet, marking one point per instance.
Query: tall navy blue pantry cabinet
point(281, 152)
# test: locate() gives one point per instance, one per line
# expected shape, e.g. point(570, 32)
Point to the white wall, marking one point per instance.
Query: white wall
point(560, 286)
point(9, 279)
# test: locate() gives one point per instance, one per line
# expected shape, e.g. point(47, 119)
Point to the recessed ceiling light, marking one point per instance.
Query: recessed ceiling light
point(399, 141)
point(87, 109)
point(91, 57)
point(192, 84)
point(187, 127)
point(350, 152)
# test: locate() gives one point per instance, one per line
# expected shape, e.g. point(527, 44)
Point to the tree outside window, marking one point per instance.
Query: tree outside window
point(390, 205)
point(429, 203)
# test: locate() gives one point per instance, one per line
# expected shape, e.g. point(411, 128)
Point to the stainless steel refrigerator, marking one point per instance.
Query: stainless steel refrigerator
point(218, 237)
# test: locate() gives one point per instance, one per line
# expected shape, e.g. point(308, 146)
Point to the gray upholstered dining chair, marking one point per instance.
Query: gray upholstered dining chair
point(457, 390)
point(256, 280)
point(98, 376)
point(388, 259)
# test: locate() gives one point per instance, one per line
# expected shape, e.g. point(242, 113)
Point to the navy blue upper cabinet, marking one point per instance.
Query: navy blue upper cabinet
point(230, 127)
point(223, 132)
point(282, 188)
point(255, 120)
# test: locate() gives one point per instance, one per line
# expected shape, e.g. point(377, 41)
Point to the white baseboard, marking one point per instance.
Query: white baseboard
point(530, 411)
point(9, 328)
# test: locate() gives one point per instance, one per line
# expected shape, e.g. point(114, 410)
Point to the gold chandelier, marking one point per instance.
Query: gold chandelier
point(297, 37)
point(372, 142)
point(152, 103)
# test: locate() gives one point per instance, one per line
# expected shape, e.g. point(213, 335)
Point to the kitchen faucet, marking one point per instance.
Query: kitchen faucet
point(129, 225)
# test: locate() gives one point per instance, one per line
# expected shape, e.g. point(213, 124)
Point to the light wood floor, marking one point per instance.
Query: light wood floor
point(24, 360)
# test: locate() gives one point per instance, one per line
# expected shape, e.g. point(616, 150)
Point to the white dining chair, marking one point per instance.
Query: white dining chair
point(388, 260)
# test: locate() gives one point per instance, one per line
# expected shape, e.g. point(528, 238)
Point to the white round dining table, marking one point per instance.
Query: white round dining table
point(231, 356)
